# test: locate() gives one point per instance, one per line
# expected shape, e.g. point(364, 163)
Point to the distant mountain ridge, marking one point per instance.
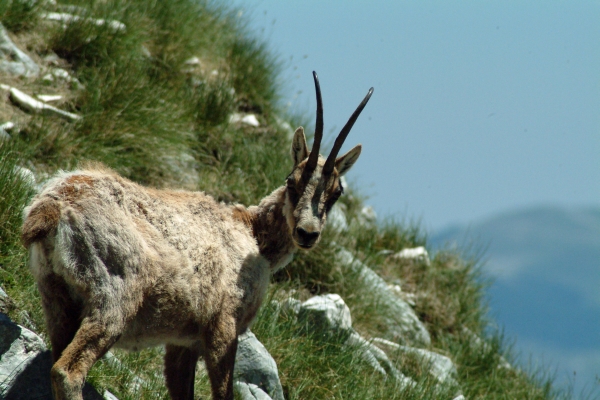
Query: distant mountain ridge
point(545, 262)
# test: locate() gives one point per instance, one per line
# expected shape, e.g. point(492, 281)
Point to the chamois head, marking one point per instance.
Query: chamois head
point(314, 185)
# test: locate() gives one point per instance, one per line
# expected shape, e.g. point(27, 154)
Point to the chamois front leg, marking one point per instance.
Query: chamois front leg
point(92, 340)
point(220, 348)
point(180, 371)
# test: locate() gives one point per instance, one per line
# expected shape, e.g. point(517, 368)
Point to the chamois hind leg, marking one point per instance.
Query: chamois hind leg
point(61, 312)
point(93, 339)
point(220, 348)
point(180, 371)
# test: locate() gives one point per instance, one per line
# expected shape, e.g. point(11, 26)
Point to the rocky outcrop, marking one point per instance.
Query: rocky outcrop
point(402, 322)
point(329, 316)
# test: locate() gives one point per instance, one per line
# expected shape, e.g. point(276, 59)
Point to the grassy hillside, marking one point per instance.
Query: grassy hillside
point(155, 100)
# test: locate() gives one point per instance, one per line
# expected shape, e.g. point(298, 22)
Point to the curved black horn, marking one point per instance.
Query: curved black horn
point(339, 141)
point(311, 164)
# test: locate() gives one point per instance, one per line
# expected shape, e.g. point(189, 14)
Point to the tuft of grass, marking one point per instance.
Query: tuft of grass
point(15, 191)
point(19, 15)
point(251, 74)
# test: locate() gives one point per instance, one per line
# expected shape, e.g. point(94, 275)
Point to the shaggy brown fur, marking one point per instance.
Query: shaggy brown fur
point(118, 264)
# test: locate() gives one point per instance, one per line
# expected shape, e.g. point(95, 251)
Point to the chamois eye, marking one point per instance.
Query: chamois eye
point(338, 192)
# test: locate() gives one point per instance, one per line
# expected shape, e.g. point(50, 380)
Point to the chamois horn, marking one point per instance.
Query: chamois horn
point(311, 164)
point(339, 141)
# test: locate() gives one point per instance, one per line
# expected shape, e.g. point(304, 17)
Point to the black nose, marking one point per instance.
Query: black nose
point(307, 237)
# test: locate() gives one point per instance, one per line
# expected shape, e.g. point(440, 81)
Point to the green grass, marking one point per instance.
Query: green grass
point(165, 123)
point(19, 15)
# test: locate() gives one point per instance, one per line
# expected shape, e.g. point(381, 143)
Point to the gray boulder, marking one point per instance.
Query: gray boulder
point(249, 391)
point(18, 348)
point(25, 365)
point(255, 370)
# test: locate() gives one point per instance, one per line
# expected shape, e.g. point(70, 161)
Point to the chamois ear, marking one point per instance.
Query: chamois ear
point(345, 162)
point(299, 147)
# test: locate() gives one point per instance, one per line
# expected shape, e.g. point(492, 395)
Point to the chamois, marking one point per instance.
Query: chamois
point(118, 264)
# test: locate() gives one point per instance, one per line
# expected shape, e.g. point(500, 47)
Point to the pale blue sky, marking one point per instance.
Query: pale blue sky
point(479, 107)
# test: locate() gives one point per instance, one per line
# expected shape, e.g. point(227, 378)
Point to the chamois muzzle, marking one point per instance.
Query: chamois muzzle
point(306, 239)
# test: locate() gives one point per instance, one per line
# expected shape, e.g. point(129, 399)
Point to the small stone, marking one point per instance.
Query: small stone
point(66, 18)
point(369, 213)
point(417, 254)
point(51, 58)
point(192, 61)
point(109, 396)
point(31, 105)
point(61, 74)
point(251, 120)
point(5, 128)
point(248, 119)
point(48, 97)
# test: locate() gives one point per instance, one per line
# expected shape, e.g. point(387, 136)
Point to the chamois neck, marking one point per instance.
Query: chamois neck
point(269, 227)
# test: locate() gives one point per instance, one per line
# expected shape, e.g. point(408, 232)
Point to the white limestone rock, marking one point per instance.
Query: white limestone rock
point(33, 106)
point(247, 119)
point(5, 130)
point(66, 18)
point(377, 358)
point(367, 217)
point(327, 313)
point(13, 60)
point(336, 218)
point(109, 396)
point(192, 61)
point(59, 74)
point(48, 97)
point(440, 367)
point(402, 323)
point(418, 254)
